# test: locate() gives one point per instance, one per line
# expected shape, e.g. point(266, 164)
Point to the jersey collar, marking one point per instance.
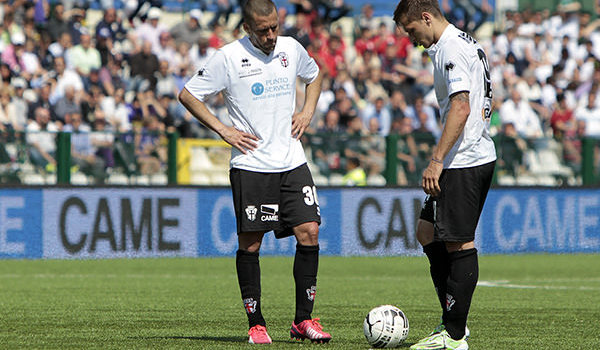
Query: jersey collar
point(255, 50)
point(433, 49)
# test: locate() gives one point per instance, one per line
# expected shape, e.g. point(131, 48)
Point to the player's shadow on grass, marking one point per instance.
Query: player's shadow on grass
point(209, 338)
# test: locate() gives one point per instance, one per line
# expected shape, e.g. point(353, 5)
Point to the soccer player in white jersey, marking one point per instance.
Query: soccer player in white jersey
point(272, 187)
point(459, 174)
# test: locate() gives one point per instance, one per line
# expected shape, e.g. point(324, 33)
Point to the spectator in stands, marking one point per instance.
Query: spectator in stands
point(300, 29)
point(377, 110)
point(68, 104)
point(103, 141)
point(590, 115)
point(326, 146)
point(111, 24)
point(118, 120)
point(224, 9)
point(143, 66)
point(164, 50)
point(18, 108)
point(355, 174)
point(216, 38)
point(407, 153)
point(522, 116)
point(58, 23)
point(373, 146)
point(150, 30)
point(64, 77)
point(83, 152)
point(374, 85)
point(41, 134)
point(84, 57)
point(426, 117)
point(76, 26)
point(510, 148)
point(399, 109)
point(13, 53)
point(60, 47)
point(111, 76)
point(189, 31)
point(5, 113)
point(148, 151)
point(165, 82)
point(562, 120)
point(200, 52)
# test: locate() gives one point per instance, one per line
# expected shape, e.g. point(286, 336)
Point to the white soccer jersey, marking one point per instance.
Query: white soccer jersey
point(461, 65)
point(260, 94)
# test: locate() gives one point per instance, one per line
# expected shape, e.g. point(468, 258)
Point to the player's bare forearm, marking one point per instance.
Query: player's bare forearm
point(455, 123)
point(301, 121)
point(241, 140)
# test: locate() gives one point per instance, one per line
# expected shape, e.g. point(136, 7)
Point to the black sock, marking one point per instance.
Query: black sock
point(439, 267)
point(306, 264)
point(248, 272)
point(464, 272)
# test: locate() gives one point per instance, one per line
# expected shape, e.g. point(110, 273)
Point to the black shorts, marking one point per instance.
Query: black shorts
point(274, 201)
point(456, 210)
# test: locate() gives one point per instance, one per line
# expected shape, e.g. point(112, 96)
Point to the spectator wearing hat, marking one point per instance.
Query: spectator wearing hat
point(189, 31)
point(18, 107)
point(13, 53)
point(150, 30)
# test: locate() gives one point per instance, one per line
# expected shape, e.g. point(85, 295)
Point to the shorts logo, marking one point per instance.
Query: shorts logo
point(250, 305)
point(270, 212)
point(311, 293)
point(251, 211)
point(258, 89)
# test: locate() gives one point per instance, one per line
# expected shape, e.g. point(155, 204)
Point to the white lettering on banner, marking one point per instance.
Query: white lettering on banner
point(228, 243)
point(110, 223)
point(586, 221)
point(8, 223)
point(516, 227)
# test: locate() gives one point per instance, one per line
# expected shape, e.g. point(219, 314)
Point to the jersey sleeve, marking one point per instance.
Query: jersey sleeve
point(308, 70)
point(210, 79)
point(457, 71)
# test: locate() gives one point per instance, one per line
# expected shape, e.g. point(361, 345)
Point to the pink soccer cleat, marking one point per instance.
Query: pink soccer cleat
point(258, 335)
point(309, 329)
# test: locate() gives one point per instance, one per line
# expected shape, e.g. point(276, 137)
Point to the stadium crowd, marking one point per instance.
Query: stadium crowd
point(122, 74)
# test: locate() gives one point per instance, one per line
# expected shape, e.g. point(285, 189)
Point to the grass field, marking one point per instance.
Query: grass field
point(522, 302)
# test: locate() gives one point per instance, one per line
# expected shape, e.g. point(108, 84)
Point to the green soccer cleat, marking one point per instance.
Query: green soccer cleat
point(441, 341)
point(440, 327)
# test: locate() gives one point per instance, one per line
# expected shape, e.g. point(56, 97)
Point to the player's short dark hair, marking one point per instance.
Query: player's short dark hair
point(252, 8)
point(412, 9)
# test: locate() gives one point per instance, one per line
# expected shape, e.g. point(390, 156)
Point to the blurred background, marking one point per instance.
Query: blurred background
point(88, 91)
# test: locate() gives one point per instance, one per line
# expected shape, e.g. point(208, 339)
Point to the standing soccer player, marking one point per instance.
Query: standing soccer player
point(271, 183)
point(459, 174)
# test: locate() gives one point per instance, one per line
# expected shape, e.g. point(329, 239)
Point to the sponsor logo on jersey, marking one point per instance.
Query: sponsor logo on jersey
point(251, 211)
point(258, 89)
point(250, 305)
point(270, 212)
point(283, 58)
point(311, 293)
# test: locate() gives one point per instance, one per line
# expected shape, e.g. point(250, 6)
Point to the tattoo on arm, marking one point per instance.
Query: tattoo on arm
point(462, 96)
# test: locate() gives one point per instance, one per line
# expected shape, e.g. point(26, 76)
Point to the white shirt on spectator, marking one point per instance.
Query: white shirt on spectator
point(523, 117)
point(591, 116)
point(69, 77)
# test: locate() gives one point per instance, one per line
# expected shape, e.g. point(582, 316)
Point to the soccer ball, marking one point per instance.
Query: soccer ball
point(385, 326)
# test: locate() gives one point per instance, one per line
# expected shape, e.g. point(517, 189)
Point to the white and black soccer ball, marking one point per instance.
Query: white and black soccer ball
point(385, 326)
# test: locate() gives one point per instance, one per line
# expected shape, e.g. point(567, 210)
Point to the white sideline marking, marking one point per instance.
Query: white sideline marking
point(506, 284)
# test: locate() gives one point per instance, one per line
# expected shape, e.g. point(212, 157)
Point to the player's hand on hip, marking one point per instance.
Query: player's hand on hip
point(241, 140)
point(431, 176)
point(300, 122)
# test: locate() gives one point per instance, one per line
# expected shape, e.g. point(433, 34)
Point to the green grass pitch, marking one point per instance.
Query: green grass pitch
point(523, 302)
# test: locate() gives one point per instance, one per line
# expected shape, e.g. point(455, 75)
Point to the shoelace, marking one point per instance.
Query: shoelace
point(316, 324)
